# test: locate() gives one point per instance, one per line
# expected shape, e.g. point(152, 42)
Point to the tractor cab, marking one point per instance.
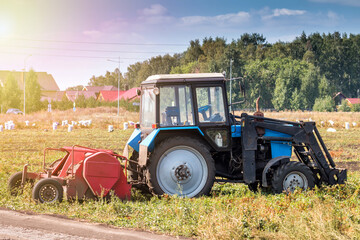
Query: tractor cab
point(184, 102)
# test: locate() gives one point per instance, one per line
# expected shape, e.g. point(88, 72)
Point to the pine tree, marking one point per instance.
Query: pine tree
point(11, 93)
point(32, 92)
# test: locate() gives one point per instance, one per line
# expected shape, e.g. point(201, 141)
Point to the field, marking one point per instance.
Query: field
point(230, 212)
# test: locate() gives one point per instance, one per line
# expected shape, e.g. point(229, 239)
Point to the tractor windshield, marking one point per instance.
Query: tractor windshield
point(148, 117)
point(176, 106)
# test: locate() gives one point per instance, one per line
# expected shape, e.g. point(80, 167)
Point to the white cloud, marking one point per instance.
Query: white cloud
point(231, 18)
point(154, 10)
point(154, 15)
point(283, 12)
point(355, 3)
point(332, 16)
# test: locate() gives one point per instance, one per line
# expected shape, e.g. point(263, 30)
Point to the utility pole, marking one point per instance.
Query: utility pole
point(231, 62)
point(24, 82)
point(119, 74)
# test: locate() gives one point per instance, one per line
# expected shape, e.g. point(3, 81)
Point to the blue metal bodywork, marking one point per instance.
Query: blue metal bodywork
point(134, 140)
point(278, 148)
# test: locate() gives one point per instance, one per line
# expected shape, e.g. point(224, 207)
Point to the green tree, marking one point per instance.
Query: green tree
point(355, 108)
point(32, 92)
point(309, 85)
point(80, 101)
point(64, 104)
point(11, 93)
point(297, 100)
point(344, 107)
point(325, 104)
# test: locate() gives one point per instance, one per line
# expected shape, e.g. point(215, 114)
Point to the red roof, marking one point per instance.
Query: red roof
point(354, 100)
point(100, 88)
point(130, 94)
point(110, 96)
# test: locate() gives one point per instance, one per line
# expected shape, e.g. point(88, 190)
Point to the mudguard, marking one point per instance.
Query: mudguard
point(283, 159)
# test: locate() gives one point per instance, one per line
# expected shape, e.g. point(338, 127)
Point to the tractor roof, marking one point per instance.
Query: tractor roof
point(176, 78)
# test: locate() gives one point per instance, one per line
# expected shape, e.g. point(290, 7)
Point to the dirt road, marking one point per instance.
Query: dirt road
point(20, 226)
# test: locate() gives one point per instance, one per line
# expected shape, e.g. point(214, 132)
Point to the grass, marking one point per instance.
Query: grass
point(230, 212)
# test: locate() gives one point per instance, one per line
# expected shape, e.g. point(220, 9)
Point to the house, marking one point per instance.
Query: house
point(352, 101)
point(73, 95)
point(58, 97)
point(130, 94)
point(109, 96)
point(99, 88)
point(49, 87)
point(339, 97)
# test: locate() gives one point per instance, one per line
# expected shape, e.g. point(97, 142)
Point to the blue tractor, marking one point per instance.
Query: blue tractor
point(187, 140)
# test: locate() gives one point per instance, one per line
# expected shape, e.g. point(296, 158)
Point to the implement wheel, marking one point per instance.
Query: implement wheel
point(14, 183)
point(181, 166)
point(48, 190)
point(292, 175)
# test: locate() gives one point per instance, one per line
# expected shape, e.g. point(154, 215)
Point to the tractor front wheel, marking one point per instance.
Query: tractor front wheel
point(181, 166)
point(48, 190)
point(292, 175)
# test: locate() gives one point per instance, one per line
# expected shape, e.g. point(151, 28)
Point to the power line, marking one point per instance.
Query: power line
point(84, 50)
point(73, 56)
point(102, 43)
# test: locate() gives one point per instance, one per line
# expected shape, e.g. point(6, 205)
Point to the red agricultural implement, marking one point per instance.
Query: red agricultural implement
point(83, 173)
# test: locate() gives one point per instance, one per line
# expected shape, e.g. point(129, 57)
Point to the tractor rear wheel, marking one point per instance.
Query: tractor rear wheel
point(48, 190)
point(292, 175)
point(181, 166)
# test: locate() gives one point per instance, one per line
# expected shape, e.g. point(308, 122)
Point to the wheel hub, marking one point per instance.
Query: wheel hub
point(182, 172)
point(295, 180)
point(48, 193)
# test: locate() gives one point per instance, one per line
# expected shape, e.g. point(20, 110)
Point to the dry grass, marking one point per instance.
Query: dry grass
point(339, 118)
point(101, 117)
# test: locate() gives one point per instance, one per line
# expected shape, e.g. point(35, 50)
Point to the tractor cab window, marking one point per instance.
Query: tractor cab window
point(148, 117)
point(176, 106)
point(210, 103)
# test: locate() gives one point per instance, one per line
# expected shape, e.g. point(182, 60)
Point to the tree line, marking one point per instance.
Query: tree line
point(12, 97)
point(303, 74)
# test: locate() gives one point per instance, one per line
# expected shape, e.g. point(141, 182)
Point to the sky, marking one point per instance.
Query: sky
point(76, 39)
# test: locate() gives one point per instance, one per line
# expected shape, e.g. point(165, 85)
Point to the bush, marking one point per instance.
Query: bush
point(344, 107)
point(355, 108)
point(325, 104)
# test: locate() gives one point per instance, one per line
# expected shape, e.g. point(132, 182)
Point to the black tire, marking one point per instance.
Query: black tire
point(48, 190)
point(14, 184)
point(291, 175)
point(254, 187)
point(178, 159)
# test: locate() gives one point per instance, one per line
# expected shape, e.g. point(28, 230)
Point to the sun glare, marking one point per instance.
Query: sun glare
point(4, 28)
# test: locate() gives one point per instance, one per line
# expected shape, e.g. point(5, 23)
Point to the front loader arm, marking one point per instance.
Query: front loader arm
point(308, 145)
